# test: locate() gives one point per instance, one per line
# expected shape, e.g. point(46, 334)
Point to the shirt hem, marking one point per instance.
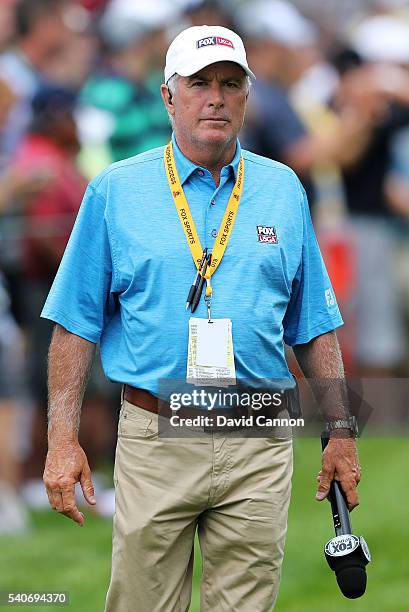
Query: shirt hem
point(316, 331)
point(70, 325)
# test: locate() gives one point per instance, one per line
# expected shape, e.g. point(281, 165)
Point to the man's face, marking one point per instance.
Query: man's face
point(208, 107)
point(53, 32)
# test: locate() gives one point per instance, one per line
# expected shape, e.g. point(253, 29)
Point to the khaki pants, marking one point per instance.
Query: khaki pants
point(235, 491)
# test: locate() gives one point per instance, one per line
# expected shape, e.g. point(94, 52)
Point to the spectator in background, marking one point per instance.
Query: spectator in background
point(50, 147)
point(127, 91)
point(397, 183)
point(372, 80)
point(397, 195)
point(273, 128)
point(15, 186)
point(6, 23)
point(72, 65)
point(40, 33)
point(13, 516)
point(48, 151)
point(208, 12)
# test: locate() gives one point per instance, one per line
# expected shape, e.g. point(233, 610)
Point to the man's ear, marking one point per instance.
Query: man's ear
point(166, 97)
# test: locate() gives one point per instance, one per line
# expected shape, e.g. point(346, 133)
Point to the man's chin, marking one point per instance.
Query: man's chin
point(216, 135)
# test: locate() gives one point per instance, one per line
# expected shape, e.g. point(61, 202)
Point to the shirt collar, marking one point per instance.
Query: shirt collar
point(186, 167)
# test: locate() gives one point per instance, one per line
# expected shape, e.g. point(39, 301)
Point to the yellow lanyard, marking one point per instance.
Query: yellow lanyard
point(188, 224)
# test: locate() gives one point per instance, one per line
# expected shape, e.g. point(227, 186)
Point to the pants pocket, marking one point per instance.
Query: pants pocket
point(134, 423)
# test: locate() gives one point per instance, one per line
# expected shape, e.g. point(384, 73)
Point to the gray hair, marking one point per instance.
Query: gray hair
point(172, 82)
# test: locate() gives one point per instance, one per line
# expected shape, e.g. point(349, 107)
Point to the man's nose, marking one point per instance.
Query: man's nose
point(216, 97)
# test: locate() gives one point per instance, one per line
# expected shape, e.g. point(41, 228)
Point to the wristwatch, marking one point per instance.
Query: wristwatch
point(349, 423)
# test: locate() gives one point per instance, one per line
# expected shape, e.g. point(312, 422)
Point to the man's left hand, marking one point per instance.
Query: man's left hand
point(340, 462)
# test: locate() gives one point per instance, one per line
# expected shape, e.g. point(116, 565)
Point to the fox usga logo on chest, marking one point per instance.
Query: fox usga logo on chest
point(267, 233)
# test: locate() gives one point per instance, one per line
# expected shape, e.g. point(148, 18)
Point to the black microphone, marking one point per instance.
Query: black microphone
point(346, 554)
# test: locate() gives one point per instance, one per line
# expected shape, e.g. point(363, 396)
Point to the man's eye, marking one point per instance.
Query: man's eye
point(232, 84)
point(198, 83)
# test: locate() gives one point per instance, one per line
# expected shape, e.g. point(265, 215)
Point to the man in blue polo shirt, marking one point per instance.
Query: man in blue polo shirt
point(145, 226)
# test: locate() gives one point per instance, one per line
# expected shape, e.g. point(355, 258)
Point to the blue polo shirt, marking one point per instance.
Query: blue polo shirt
point(127, 269)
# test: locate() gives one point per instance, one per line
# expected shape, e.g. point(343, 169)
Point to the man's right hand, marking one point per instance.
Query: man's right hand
point(65, 465)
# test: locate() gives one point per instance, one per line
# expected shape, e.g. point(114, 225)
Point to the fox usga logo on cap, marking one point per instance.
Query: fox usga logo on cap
point(214, 40)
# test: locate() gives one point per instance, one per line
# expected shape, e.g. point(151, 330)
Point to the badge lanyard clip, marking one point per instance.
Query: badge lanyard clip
point(209, 292)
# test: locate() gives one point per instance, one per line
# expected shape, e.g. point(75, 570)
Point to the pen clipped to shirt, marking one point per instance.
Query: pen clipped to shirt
point(202, 281)
point(195, 284)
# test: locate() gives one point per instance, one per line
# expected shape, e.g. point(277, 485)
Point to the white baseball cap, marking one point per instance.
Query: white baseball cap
point(199, 46)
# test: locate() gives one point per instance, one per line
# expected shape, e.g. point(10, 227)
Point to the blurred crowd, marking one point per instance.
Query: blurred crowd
point(79, 89)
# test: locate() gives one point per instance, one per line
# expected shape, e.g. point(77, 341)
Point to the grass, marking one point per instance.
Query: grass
point(59, 555)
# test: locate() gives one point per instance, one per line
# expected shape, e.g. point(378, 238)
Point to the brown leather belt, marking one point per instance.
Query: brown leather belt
point(147, 401)
point(143, 399)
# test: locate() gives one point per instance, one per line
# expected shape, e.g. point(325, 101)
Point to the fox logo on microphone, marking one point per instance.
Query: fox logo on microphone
point(341, 545)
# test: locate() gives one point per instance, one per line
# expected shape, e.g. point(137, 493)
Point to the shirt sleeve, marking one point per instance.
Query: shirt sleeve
point(312, 309)
point(81, 291)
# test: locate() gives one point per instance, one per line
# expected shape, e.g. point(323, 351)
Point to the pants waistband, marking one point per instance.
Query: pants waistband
point(146, 400)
